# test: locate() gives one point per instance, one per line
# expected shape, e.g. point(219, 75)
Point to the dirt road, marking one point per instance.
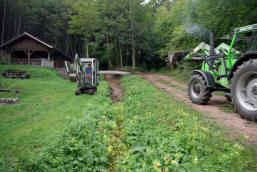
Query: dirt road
point(232, 121)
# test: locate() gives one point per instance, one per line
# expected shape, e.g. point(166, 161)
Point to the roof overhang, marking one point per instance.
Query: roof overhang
point(26, 35)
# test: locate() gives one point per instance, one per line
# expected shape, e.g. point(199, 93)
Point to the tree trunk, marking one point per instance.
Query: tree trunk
point(133, 52)
point(56, 41)
point(133, 35)
point(86, 47)
point(67, 44)
point(14, 27)
point(3, 23)
point(127, 53)
point(121, 60)
point(108, 53)
point(19, 25)
point(116, 53)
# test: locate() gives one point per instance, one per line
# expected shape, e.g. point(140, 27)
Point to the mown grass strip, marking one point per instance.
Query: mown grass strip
point(50, 126)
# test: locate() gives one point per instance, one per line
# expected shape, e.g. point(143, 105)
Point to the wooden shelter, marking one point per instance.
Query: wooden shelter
point(27, 49)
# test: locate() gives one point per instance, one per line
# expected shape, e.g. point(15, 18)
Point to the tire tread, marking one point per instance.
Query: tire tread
point(207, 93)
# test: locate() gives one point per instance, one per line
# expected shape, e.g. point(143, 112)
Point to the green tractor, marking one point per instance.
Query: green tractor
point(226, 69)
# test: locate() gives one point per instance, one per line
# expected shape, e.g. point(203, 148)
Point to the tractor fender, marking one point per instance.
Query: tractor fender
point(245, 57)
point(207, 76)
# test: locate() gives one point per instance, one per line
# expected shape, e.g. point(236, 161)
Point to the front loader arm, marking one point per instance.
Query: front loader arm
point(199, 52)
point(203, 50)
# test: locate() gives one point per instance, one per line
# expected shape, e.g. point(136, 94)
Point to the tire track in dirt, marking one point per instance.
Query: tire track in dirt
point(218, 98)
point(232, 121)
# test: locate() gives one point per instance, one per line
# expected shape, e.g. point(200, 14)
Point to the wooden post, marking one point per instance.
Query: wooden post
point(29, 57)
point(49, 55)
point(10, 58)
point(29, 53)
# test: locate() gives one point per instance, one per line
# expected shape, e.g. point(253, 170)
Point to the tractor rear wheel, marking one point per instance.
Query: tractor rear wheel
point(244, 90)
point(198, 90)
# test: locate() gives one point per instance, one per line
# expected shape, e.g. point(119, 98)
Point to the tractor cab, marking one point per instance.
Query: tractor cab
point(253, 42)
point(246, 36)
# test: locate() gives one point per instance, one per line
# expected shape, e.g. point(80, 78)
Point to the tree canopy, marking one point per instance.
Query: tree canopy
point(124, 32)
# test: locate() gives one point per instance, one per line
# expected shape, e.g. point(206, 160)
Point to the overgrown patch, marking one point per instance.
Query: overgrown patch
point(164, 135)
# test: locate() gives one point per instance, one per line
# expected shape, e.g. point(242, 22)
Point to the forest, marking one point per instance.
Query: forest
point(153, 117)
point(121, 33)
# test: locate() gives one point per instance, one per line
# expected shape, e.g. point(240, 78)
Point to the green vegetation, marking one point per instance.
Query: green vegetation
point(46, 107)
point(124, 32)
point(165, 135)
point(182, 72)
point(227, 107)
point(52, 129)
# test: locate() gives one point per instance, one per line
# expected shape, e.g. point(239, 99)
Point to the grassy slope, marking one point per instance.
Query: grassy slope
point(148, 131)
point(46, 107)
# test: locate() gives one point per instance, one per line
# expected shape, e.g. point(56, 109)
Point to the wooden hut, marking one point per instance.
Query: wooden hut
point(27, 49)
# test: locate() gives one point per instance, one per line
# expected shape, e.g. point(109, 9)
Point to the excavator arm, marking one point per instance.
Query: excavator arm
point(75, 70)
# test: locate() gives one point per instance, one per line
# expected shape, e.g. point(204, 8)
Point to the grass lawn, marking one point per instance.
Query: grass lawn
point(51, 129)
point(47, 105)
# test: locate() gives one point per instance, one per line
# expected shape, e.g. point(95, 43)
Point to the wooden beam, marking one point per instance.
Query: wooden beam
point(10, 59)
point(29, 53)
point(29, 57)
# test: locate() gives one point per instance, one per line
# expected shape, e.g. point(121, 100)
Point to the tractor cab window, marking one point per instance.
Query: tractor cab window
point(253, 42)
point(242, 42)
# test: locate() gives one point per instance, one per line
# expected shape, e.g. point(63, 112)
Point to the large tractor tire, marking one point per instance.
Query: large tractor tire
point(244, 90)
point(198, 90)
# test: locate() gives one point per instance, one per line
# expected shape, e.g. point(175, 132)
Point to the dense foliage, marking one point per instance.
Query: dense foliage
point(124, 32)
point(165, 136)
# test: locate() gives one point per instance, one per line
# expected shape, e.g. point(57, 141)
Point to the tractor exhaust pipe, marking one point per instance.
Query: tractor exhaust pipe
point(212, 44)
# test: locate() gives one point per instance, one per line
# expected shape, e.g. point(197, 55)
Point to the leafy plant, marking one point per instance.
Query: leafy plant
point(164, 135)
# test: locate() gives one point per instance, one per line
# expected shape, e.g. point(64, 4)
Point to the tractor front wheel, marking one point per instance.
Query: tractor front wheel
point(198, 90)
point(244, 90)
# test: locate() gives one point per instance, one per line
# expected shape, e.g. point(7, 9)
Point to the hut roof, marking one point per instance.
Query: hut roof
point(26, 35)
